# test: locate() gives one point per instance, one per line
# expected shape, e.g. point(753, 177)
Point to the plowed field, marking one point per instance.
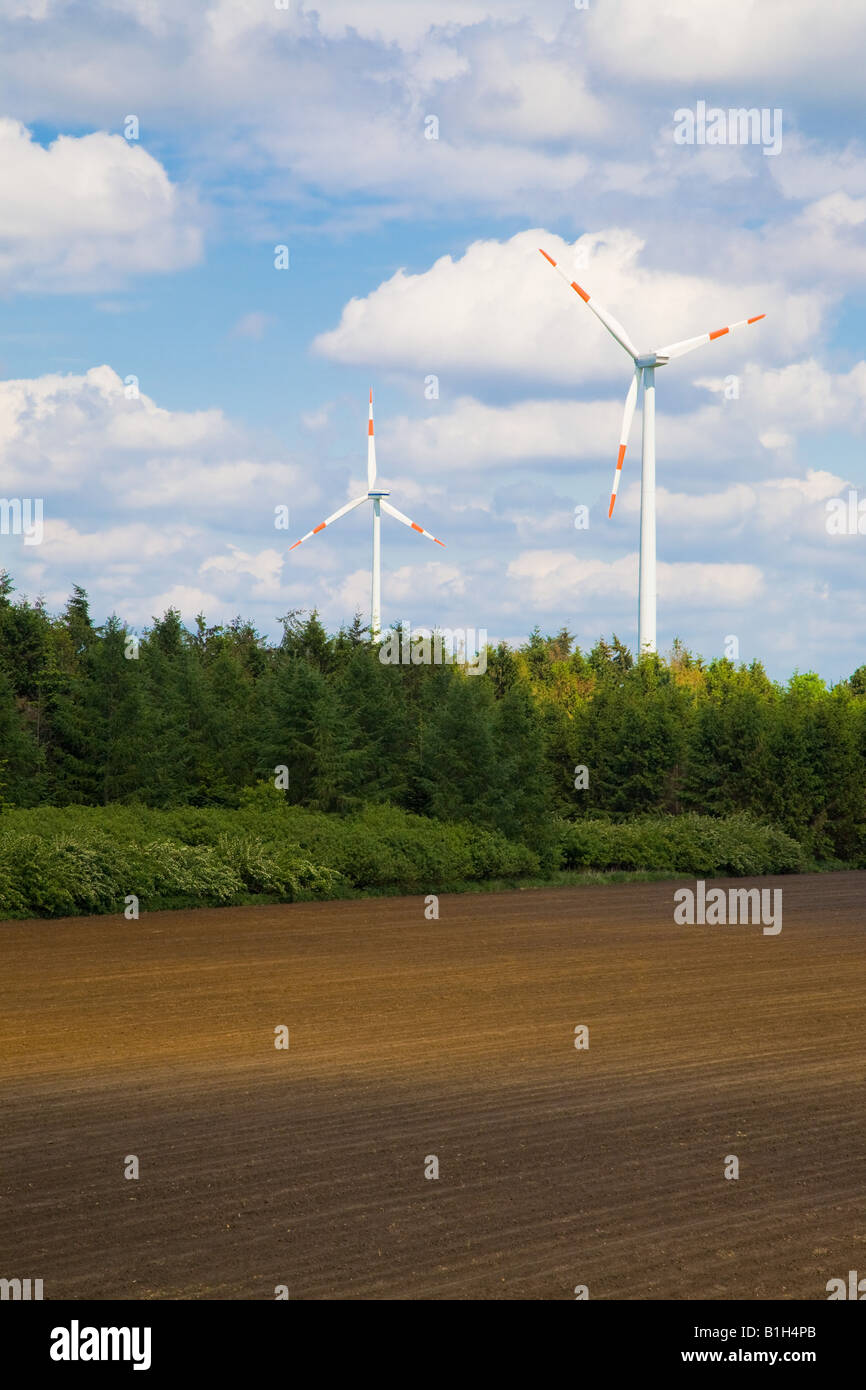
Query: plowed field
point(409, 1039)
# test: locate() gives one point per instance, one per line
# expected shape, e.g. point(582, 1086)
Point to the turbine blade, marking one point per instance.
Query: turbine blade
point(613, 326)
point(322, 524)
point(392, 511)
point(371, 449)
point(689, 344)
point(627, 417)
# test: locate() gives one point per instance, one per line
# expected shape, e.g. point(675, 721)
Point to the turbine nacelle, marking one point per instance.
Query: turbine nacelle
point(378, 493)
point(651, 359)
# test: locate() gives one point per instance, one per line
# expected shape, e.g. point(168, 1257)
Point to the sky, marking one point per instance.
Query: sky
point(167, 390)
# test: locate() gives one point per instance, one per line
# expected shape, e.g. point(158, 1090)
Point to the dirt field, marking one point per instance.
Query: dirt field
point(454, 1038)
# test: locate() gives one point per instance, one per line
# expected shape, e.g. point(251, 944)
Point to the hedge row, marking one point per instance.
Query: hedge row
point(57, 862)
point(60, 862)
point(687, 844)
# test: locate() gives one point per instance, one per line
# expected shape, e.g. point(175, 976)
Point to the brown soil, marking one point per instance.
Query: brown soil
point(453, 1038)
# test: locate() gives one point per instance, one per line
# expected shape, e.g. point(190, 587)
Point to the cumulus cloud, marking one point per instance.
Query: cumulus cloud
point(188, 599)
point(138, 499)
point(739, 46)
point(476, 435)
point(536, 103)
point(500, 308)
point(121, 546)
point(265, 567)
point(767, 504)
point(559, 579)
point(814, 169)
point(773, 409)
point(87, 212)
point(59, 432)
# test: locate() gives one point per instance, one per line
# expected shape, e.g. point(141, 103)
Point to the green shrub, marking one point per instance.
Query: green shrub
point(57, 862)
point(60, 862)
point(702, 845)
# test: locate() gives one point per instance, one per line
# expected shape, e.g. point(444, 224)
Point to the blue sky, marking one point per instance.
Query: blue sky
point(413, 257)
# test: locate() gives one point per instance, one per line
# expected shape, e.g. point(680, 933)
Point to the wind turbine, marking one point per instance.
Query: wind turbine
point(377, 497)
point(645, 364)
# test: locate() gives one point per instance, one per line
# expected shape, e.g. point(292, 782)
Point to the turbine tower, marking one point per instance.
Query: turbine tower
point(377, 496)
point(645, 364)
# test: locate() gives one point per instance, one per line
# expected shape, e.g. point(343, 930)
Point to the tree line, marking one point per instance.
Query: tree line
point(90, 715)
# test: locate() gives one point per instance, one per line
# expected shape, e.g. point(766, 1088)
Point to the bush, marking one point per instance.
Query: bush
point(61, 862)
point(690, 844)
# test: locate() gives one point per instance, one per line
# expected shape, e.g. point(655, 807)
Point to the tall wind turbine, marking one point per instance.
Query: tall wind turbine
point(645, 364)
point(377, 497)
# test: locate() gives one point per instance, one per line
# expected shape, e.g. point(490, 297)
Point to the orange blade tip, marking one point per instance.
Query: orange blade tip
point(546, 257)
point(611, 507)
point(757, 317)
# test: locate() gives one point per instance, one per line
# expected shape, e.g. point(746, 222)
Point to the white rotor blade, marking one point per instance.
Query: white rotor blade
point(371, 449)
point(392, 511)
point(627, 417)
point(322, 524)
point(689, 344)
point(613, 326)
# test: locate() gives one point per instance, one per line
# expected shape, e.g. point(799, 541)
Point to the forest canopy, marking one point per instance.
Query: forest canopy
point(91, 715)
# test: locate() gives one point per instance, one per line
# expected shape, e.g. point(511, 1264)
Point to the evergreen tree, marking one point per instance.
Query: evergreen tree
point(22, 775)
point(460, 770)
point(525, 802)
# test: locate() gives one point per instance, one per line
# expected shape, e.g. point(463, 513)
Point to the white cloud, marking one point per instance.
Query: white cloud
point(540, 105)
point(138, 499)
point(253, 325)
point(817, 486)
point(87, 212)
point(558, 579)
point(120, 545)
point(766, 505)
point(390, 22)
point(265, 567)
point(763, 48)
point(814, 169)
point(61, 432)
point(188, 599)
point(773, 408)
point(699, 509)
point(500, 308)
point(806, 396)
point(473, 435)
point(421, 582)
